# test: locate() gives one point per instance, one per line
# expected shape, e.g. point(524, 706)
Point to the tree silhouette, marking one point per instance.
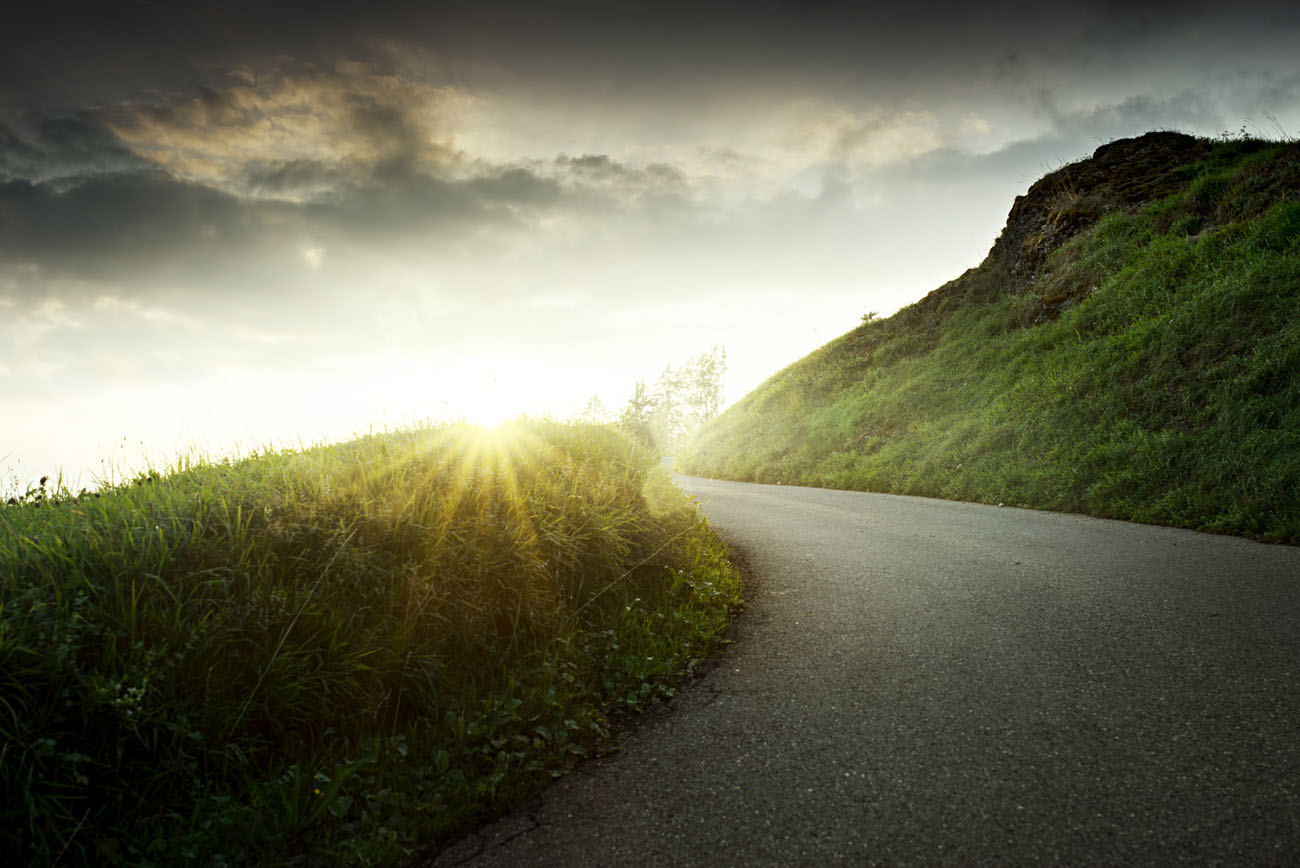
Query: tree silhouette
point(682, 399)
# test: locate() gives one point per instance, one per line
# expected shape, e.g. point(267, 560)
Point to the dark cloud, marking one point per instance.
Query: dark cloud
point(1132, 115)
point(387, 129)
point(603, 169)
point(593, 165)
point(182, 192)
point(149, 231)
point(599, 184)
point(91, 52)
point(39, 146)
point(392, 208)
point(294, 180)
point(118, 225)
point(513, 186)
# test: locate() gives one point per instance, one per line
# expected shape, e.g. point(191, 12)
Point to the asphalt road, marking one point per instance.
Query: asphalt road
point(918, 682)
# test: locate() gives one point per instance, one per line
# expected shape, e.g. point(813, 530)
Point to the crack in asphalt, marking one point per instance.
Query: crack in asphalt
point(525, 818)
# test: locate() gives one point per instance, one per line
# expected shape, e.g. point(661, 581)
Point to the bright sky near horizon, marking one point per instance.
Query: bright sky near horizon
point(237, 223)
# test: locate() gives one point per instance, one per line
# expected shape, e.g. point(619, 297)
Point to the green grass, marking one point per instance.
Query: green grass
point(1151, 372)
point(338, 655)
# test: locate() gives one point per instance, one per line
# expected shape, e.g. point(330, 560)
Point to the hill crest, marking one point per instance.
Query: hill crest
point(1127, 348)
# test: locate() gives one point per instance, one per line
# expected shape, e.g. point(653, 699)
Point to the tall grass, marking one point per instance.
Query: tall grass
point(336, 655)
point(1151, 372)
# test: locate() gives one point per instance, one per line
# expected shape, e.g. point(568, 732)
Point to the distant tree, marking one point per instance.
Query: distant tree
point(702, 380)
point(638, 415)
point(596, 412)
point(668, 420)
point(682, 399)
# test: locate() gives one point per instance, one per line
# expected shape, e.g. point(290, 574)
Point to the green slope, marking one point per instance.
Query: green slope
point(1129, 348)
point(340, 655)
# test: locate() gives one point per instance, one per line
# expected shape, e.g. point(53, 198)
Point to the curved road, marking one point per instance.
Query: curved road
point(919, 682)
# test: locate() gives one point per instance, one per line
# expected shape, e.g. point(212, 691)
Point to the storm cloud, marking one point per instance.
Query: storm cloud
point(395, 204)
point(187, 188)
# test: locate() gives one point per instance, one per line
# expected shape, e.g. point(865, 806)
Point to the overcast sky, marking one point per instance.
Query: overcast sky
point(255, 221)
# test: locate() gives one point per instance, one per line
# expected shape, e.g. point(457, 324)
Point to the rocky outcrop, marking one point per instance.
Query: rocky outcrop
point(1123, 175)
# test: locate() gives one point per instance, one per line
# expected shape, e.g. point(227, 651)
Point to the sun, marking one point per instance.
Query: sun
point(490, 390)
point(480, 389)
point(483, 406)
point(487, 414)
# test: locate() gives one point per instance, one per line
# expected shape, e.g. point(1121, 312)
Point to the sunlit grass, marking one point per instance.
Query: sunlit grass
point(339, 653)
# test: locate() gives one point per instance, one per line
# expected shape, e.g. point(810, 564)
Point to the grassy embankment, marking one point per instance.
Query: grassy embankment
point(1149, 370)
point(338, 655)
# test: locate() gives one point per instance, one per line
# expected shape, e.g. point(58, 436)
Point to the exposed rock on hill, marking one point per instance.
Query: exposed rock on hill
point(1124, 175)
point(1121, 176)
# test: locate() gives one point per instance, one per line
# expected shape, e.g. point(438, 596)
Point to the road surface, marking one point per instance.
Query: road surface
point(919, 682)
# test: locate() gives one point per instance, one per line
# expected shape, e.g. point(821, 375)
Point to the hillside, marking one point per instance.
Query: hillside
point(1130, 347)
point(339, 655)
